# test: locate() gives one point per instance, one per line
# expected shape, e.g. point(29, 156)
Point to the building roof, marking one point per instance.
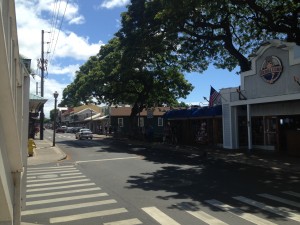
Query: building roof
point(126, 111)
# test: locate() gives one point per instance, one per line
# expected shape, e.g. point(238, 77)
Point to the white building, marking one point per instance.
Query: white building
point(14, 113)
point(264, 112)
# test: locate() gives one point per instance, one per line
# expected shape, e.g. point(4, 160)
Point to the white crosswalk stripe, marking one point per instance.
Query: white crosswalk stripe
point(59, 182)
point(53, 172)
point(206, 218)
point(281, 211)
point(64, 199)
point(282, 200)
point(63, 192)
point(237, 212)
point(87, 215)
point(60, 187)
point(125, 222)
point(67, 207)
point(159, 216)
point(57, 178)
point(295, 194)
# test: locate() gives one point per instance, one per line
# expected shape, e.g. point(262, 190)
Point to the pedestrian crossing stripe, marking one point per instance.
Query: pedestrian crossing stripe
point(237, 212)
point(284, 212)
point(49, 168)
point(206, 218)
point(87, 215)
point(59, 187)
point(62, 192)
point(67, 207)
point(39, 202)
point(282, 200)
point(57, 178)
point(292, 193)
point(59, 182)
point(125, 222)
point(159, 216)
point(52, 172)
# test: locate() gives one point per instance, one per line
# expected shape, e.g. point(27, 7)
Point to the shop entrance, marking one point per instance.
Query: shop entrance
point(289, 134)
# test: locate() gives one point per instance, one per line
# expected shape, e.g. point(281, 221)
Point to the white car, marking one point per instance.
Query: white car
point(84, 134)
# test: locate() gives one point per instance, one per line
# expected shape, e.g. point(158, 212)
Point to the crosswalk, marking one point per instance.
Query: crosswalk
point(63, 195)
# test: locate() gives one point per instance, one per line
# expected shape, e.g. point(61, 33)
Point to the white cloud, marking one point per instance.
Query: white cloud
point(71, 49)
point(61, 43)
point(68, 70)
point(77, 20)
point(76, 47)
point(109, 4)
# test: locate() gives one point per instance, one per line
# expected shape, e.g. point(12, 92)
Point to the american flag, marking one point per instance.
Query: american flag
point(214, 97)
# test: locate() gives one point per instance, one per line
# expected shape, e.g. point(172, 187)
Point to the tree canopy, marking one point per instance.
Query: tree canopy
point(143, 64)
point(222, 32)
point(110, 77)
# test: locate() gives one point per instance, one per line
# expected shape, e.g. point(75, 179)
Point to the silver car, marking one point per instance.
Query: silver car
point(84, 134)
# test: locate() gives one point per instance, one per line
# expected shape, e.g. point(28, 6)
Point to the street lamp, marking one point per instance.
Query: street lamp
point(55, 94)
point(91, 120)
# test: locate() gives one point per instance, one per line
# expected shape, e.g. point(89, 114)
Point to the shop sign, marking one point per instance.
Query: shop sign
point(271, 69)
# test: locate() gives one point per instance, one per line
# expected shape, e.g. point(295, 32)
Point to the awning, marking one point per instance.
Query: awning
point(194, 113)
point(36, 102)
point(179, 113)
point(96, 117)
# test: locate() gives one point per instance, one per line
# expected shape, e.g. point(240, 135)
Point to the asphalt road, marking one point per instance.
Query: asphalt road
point(104, 181)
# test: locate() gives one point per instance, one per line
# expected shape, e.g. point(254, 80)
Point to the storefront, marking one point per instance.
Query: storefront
point(264, 112)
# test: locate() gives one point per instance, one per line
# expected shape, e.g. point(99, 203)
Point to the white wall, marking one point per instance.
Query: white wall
point(14, 104)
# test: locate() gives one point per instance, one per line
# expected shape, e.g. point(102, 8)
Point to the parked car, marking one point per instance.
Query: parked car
point(61, 129)
point(84, 134)
point(69, 129)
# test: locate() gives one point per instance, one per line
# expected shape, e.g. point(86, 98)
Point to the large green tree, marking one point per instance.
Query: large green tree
point(195, 33)
point(142, 80)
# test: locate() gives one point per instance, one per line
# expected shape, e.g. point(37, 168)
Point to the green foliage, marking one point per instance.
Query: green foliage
point(196, 33)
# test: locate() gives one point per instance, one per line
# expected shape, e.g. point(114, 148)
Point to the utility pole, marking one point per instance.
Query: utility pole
point(42, 90)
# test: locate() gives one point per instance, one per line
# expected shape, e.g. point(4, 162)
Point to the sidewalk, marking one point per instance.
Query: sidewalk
point(46, 153)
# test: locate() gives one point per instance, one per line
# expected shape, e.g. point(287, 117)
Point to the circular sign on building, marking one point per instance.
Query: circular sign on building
point(271, 69)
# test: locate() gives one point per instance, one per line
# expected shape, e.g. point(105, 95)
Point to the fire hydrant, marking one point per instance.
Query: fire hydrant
point(31, 146)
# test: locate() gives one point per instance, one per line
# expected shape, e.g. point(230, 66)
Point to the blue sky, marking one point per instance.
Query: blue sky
point(85, 27)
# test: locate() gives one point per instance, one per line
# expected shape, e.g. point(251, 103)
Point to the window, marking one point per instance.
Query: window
point(120, 122)
point(160, 121)
point(141, 122)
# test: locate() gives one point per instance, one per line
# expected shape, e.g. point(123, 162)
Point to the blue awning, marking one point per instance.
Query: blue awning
point(194, 113)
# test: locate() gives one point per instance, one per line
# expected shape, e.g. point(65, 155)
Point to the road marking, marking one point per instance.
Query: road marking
point(103, 160)
point(206, 218)
point(285, 212)
point(240, 213)
point(87, 215)
point(292, 193)
point(53, 172)
point(39, 202)
point(125, 222)
point(159, 216)
point(57, 178)
point(69, 174)
point(59, 182)
point(59, 187)
point(67, 207)
point(52, 167)
point(282, 200)
point(62, 192)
